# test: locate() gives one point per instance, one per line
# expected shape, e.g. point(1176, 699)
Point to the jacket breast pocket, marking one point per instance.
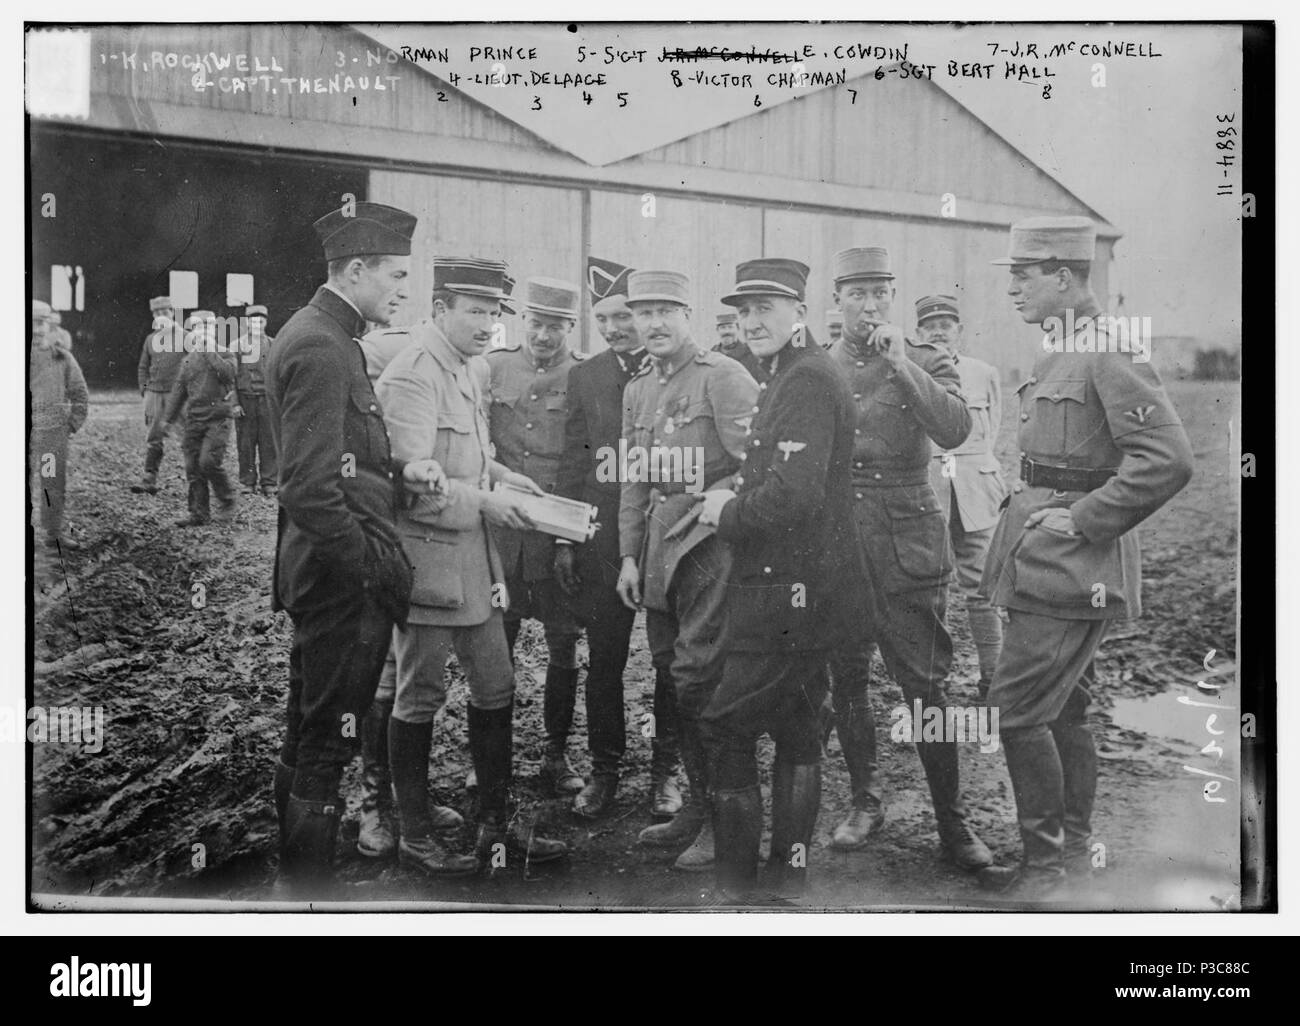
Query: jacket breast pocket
point(1059, 412)
point(435, 562)
point(456, 446)
point(1068, 572)
point(890, 420)
point(920, 535)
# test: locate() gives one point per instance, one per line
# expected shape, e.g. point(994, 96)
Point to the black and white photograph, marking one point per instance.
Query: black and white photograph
point(648, 466)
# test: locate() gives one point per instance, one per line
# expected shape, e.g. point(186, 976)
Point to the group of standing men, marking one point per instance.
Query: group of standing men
point(812, 532)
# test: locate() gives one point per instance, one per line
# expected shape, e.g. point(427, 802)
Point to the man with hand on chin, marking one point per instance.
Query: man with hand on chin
point(432, 393)
point(797, 584)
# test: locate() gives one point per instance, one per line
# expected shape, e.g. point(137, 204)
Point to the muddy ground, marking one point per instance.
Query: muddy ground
point(192, 703)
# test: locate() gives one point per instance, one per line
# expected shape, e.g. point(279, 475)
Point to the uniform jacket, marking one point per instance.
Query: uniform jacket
point(339, 483)
point(705, 405)
point(798, 581)
point(971, 471)
point(160, 358)
point(741, 354)
point(899, 415)
point(528, 407)
point(433, 399)
point(59, 398)
point(250, 375)
point(380, 346)
point(1095, 410)
point(201, 387)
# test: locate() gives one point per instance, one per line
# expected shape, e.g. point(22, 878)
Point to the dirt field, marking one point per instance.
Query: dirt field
point(192, 704)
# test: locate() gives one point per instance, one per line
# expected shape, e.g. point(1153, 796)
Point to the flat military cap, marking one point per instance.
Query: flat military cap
point(606, 278)
point(40, 310)
point(1036, 239)
point(834, 318)
point(728, 317)
point(472, 276)
point(937, 306)
point(769, 276)
point(659, 286)
point(861, 262)
point(373, 229)
point(551, 296)
point(159, 303)
point(256, 310)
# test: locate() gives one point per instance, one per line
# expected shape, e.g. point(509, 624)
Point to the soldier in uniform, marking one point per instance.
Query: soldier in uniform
point(968, 479)
point(257, 464)
point(729, 342)
point(340, 570)
point(160, 361)
point(1101, 449)
point(908, 394)
point(796, 584)
point(59, 404)
point(202, 391)
point(433, 398)
point(834, 327)
point(690, 405)
point(528, 404)
point(588, 572)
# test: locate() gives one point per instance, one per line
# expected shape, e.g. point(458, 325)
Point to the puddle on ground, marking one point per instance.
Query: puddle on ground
point(1166, 717)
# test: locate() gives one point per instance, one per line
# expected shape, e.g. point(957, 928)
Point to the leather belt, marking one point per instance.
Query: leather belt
point(1064, 479)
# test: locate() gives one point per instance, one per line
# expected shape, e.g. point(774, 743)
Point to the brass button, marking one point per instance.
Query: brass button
point(528, 426)
point(861, 364)
point(1056, 395)
point(767, 569)
point(757, 441)
point(744, 456)
point(739, 481)
point(902, 406)
point(857, 395)
point(1020, 487)
point(1024, 416)
point(1033, 381)
point(663, 498)
point(533, 398)
point(527, 453)
point(373, 407)
point(876, 476)
point(755, 410)
point(763, 387)
point(857, 495)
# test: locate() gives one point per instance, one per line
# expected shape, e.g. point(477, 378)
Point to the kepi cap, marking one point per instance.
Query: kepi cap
point(373, 229)
point(1037, 239)
point(160, 303)
point(472, 276)
point(861, 262)
point(728, 317)
point(551, 296)
point(659, 286)
point(937, 306)
point(256, 310)
point(834, 318)
point(769, 276)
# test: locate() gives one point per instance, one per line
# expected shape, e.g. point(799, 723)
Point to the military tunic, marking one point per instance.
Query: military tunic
point(254, 439)
point(903, 534)
point(200, 391)
point(1082, 410)
point(59, 404)
point(701, 409)
point(434, 405)
point(740, 352)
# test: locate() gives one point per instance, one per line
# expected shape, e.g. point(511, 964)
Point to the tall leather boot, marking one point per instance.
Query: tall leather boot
point(408, 755)
point(558, 700)
point(375, 834)
point(197, 499)
point(1078, 755)
point(960, 843)
point(307, 869)
point(665, 797)
point(737, 829)
point(281, 784)
point(491, 740)
point(856, 728)
point(1038, 782)
point(698, 858)
point(690, 820)
point(796, 797)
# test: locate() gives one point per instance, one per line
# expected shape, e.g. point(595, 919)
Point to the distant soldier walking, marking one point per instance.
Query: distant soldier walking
point(59, 404)
point(256, 442)
point(1101, 449)
point(160, 362)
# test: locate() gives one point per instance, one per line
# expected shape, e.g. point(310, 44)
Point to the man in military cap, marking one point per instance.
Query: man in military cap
point(968, 479)
point(202, 391)
point(433, 398)
point(730, 344)
point(257, 463)
point(1101, 449)
point(686, 411)
point(527, 394)
point(160, 361)
point(59, 405)
point(908, 395)
point(340, 570)
point(797, 584)
point(834, 327)
point(588, 572)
